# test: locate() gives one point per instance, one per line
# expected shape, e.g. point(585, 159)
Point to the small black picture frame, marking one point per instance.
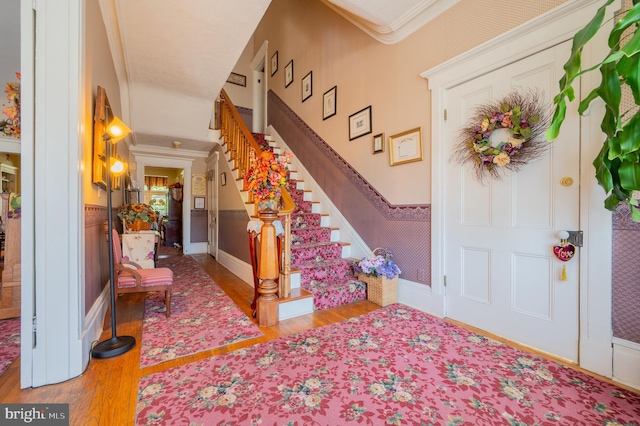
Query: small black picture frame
point(274, 63)
point(330, 103)
point(288, 74)
point(360, 123)
point(307, 86)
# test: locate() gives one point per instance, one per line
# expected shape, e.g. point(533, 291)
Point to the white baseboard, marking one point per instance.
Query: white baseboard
point(626, 362)
point(92, 328)
point(240, 268)
point(414, 294)
point(295, 308)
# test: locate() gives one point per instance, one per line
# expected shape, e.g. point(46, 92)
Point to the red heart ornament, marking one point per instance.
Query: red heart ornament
point(564, 252)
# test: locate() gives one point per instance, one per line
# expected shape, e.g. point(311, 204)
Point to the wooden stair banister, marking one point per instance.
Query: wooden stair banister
point(240, 143)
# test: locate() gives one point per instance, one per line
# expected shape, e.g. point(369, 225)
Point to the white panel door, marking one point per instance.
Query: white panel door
point(501, 273)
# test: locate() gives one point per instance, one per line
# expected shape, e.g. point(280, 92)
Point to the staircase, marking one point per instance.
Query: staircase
point(320, 266)
point(318, 270)
point(320, 258)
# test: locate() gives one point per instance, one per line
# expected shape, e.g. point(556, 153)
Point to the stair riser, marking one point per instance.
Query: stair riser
point(315, 235)
point(332, 274)
point(325, 297)
point(301, 221)
point(300, 255)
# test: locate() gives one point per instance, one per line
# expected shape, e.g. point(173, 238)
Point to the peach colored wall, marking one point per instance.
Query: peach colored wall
point(387, 77)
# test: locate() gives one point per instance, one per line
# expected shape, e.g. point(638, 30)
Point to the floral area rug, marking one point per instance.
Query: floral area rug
point(395, 365)
point(9, 342)
point(202, 316)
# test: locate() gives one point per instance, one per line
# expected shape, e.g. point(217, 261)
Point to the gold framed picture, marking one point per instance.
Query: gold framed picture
point(405, 147)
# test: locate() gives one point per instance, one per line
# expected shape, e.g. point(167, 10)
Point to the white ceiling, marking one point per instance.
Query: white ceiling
point(173, 58)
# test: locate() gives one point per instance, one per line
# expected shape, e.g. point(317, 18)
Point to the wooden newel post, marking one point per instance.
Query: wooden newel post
point(267, 304)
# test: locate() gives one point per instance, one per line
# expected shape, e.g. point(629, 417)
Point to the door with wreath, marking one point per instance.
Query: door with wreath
point(502, 275)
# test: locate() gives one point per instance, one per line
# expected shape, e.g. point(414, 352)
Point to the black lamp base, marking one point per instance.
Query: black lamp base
point(115, 346)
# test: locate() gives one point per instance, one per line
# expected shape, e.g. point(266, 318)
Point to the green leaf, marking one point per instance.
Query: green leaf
point(504, 107)
point(629, 69)
point(533, 119)
point(630, 176)
point(610, 90)
point(609, 124)
point(632, 46)
point(586, 101)
point(614, 148)
point(572, 66)
point(558, 117)
point(603, 174)
point(632, 17)
point(526, 132)
point(629, 137)
point(635, 214)
point(611, 202)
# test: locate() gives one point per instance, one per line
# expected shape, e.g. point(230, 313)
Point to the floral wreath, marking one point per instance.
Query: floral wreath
point(524, 119)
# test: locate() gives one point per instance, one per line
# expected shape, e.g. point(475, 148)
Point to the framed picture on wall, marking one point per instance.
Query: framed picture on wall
point(405, 147)
point(360, 123)
point(378, 143)
point(329, 106)
point(198, 203)
point(307, 86)
point(239, 79)
point(288, 74)
point(274, 63)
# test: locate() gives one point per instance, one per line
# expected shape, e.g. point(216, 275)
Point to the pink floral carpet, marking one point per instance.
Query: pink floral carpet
point(395, 365)
point(202, 316)
point(323, 270)
point(9, 342)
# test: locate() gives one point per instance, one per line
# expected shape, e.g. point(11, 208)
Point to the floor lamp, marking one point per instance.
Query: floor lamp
point(116, 345)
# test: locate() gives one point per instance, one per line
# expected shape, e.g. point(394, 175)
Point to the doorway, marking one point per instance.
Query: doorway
point(501, 274)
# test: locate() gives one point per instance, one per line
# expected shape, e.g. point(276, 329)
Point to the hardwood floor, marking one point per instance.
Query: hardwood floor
point(106, 393)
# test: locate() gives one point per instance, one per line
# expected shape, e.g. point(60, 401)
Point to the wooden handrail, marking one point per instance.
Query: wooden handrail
point(239, 143)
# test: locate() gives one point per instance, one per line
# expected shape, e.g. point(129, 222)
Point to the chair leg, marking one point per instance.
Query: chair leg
point(167, 302)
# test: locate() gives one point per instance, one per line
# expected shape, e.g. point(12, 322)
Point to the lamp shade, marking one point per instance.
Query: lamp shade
point(117, 166)
point(117, 130)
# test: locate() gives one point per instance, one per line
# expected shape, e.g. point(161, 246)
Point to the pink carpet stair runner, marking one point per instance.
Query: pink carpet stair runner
point(323, 271)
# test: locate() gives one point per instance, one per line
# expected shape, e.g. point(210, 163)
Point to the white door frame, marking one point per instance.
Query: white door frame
point(212, 207)
point(260, 87)
point(549, 29)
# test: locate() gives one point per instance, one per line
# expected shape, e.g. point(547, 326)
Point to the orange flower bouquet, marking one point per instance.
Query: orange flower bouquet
point(267, 175)
point(11, 126)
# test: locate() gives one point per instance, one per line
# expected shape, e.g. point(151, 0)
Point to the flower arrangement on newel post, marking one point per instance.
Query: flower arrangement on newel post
point(11, 125)
point(266, 177)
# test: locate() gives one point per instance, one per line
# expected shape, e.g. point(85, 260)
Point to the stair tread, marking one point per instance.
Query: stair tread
point(297, 294)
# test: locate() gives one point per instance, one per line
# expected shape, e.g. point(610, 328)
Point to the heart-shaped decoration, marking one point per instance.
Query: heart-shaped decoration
point(564, 252)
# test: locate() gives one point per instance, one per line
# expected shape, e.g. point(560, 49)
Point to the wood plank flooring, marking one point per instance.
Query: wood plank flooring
point(106, 393)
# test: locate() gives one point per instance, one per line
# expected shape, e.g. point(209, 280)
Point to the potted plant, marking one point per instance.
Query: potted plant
point(380, 273)
point(137, 216)
point(617, 166)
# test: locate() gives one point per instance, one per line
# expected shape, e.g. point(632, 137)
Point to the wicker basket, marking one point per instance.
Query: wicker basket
point(380, 290)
